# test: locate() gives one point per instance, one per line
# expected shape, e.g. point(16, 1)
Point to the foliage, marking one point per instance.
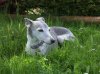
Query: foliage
point(79, 57)
point(56, 7)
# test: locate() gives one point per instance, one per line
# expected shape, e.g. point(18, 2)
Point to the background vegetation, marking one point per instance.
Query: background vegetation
point(55, 7)
point(79, 57)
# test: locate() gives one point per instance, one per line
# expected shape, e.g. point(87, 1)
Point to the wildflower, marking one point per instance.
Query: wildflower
point(85, 73)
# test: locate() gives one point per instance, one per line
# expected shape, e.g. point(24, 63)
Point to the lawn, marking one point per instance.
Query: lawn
point(79, 57)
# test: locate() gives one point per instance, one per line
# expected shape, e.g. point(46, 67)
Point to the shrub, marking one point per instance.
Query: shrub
point(56, 7)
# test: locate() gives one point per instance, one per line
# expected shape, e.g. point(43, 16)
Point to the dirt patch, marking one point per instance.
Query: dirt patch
point(94, 19)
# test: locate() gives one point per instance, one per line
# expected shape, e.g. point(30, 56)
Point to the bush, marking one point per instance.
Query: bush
point(56, 7)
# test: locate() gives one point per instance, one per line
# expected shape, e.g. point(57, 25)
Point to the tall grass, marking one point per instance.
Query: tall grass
point(79, 57)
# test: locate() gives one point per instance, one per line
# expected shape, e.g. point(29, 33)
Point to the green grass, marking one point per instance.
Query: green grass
point(79, 57)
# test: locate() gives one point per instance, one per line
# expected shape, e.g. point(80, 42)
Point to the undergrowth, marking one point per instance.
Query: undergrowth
point(78, 57)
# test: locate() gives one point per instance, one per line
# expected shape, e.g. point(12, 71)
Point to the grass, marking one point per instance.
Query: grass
point(79, 57)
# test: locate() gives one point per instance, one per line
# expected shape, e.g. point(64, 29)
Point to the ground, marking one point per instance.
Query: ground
point(79, 57)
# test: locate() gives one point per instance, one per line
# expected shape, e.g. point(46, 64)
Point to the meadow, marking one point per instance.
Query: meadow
point(79, 57)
